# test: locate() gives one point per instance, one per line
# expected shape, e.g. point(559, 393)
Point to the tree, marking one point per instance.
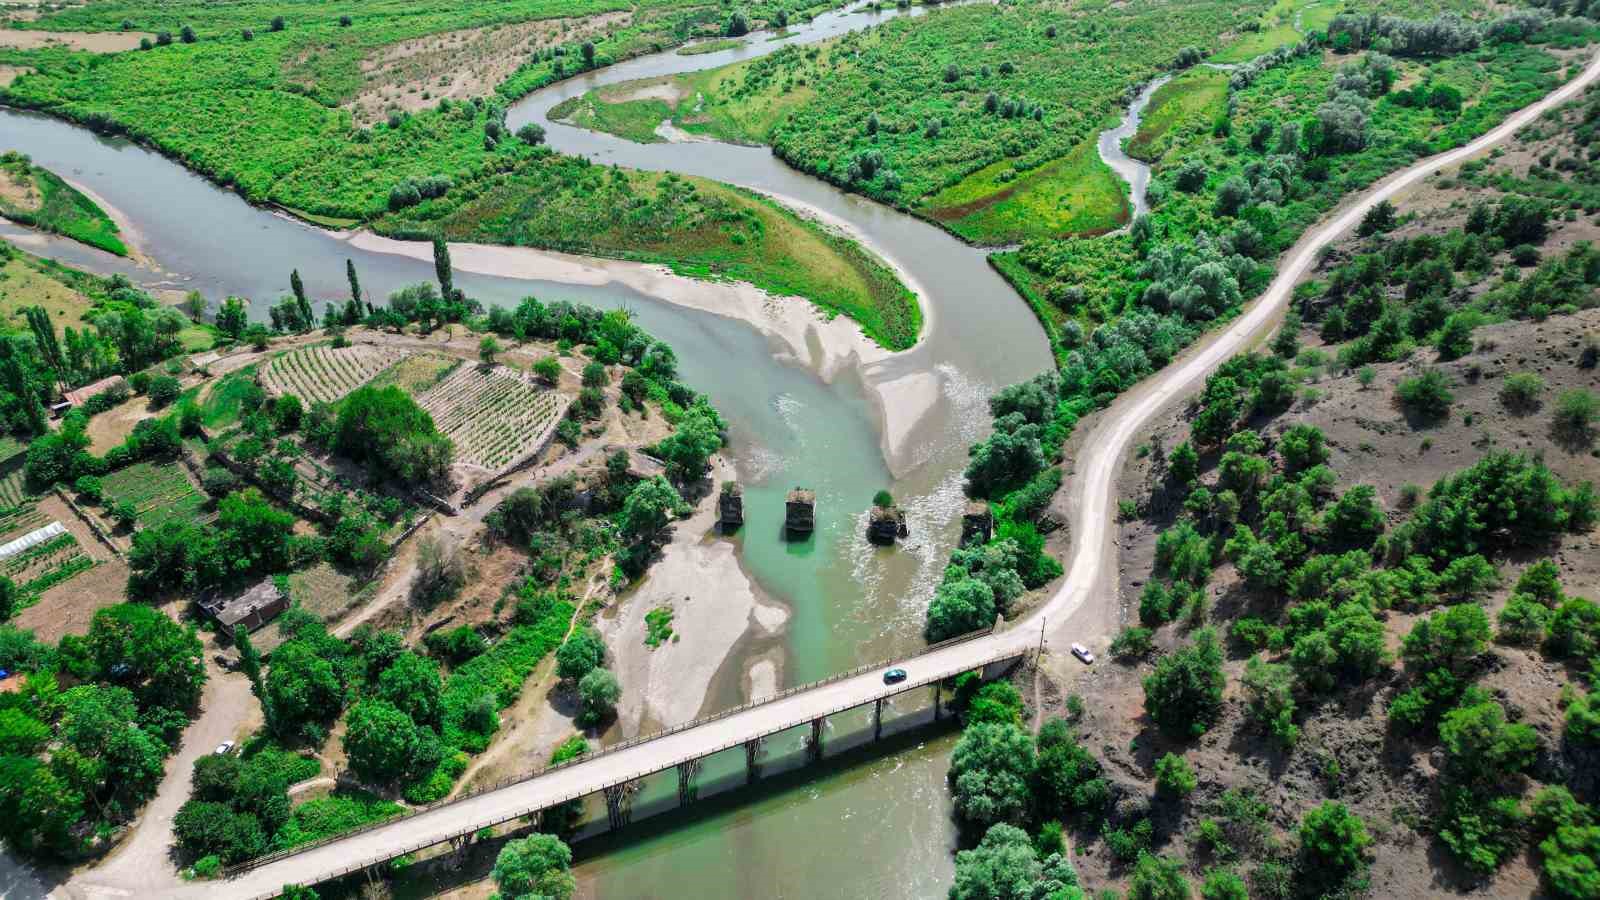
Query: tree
point(648, 508)
point(689, 447)
point(989, 773)
point(1222, 884)
point(249, 659)
point(1334, 841)
point(381, 741)
point(1481, 746)
point(1184, 693)
point(586, 50)
point(1378, 219)
point(537, 867)
point(581, 654)
point(412, 684)
point(548, 369)
point(1570, 860)
point(531, 134)
point(1066, 778)
point(1183, 464)
point(232, 318)
point(1302, 446)
point(140, 648)
point(488, 348)
point(1448, 639)
point(1355, 520)
point(959, 605)
point(302, 689)
point(396, 438)
point(355, 282)
point(1005, 866)
point(1174, 777)
point(598, 691)
point(442, 268)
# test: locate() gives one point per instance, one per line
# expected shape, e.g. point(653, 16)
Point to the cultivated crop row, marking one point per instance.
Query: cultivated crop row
point(495, 416)
point(325, 373)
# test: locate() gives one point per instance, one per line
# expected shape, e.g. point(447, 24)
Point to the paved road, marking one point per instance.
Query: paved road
point(1091, 574)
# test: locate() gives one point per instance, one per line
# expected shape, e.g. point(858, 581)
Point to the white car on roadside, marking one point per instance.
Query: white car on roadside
point(224, 748)
point(1082, 653)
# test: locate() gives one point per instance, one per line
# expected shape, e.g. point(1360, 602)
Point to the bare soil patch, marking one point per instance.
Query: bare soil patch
point(9, 74)
point(93, 41)
point(459, 65)
point(113, 426)
point(19, 191)
point(68, 607)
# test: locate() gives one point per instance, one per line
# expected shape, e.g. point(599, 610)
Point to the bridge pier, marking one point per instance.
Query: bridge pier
point(619, 803)
point(814, 746)
point(687, 773)
point(936, 701)
point(752, 759)
point(877, 718)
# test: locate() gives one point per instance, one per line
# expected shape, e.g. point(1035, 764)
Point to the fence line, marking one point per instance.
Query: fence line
point(618, 748)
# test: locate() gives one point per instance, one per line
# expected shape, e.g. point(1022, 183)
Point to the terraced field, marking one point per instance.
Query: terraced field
point(323, 373)
point(494, 415)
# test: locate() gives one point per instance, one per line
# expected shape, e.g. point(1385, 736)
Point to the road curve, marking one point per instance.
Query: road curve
point(1090, 574)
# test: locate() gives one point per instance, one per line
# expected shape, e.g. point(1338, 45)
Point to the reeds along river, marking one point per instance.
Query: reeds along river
point(886, 823)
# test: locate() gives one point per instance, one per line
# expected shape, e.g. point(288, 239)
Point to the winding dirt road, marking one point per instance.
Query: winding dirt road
point(1091, 574)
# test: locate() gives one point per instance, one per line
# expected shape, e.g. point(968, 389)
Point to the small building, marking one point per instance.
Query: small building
point(252, 609)
point(800, 512)
point(82, 395)
point(730, 507)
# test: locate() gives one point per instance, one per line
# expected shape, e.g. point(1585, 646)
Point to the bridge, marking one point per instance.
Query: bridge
point(616, 772)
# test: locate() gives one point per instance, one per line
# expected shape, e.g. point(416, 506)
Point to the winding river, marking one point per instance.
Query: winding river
point(882, 829)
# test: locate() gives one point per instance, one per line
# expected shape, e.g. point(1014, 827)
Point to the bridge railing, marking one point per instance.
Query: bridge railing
point(605, 751)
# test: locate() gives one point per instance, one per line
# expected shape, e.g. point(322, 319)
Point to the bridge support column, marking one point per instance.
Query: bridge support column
point(877, 718)
point(619, 803)
point(936, 701)
point(814, 746)
point(687, 773)
point(752, 759)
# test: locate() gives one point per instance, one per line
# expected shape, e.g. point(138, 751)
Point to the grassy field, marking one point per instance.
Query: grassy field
point(37, 197)
point(224, 400)
point(697, 227)
point(1076, 194)
point(416, 373)
point(22, 284)
point(1285, 23)
point(1192, 100)
point(930, 139)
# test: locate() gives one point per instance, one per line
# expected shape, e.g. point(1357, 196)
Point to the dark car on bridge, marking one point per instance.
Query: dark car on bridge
point(894, 676)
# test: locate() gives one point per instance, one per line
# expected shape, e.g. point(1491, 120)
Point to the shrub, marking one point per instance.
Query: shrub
point(1520, 391)
point(1174, 777)
point(1427, 395)
point(1576, 412)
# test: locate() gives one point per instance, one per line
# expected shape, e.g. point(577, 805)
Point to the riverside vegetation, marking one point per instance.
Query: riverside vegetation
point(1321, 570)
point(38, 197)
point(260, 98)
point(987, 125)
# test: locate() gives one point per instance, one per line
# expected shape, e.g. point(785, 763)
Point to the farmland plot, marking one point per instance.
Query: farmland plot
point(323, 373)
point(159, 492)
point(495, 416)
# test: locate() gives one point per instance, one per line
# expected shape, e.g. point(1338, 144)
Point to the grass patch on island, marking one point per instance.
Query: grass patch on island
point(37, 197)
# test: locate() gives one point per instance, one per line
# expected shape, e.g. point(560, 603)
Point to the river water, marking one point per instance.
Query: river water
point(886, 823)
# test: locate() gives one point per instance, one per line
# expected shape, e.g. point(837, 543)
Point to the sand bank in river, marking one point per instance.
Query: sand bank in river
point(798, 331)
point(713, 605)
